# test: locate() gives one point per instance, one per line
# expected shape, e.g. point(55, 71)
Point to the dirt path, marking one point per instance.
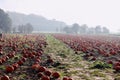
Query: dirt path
point(73, 64)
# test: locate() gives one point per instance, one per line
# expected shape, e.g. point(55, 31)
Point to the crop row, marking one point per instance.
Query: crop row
point(95, 47)
point(22, 57)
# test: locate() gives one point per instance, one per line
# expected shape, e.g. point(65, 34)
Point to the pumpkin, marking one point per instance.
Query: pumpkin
point(55, 75)
point(5, 77)
point(9, 69)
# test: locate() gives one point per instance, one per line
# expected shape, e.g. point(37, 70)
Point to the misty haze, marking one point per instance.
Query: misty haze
point(59, 40)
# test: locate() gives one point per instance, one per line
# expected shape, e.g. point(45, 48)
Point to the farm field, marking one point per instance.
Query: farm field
point(59, 40)
point(59, 57)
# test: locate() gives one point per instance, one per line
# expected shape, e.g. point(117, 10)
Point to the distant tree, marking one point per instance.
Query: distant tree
point(57, 30)
point(14, 29)
point(67, 29)
point(98, 29)
point(75, 28)
point(27, 28)
point(105, 30)
point(61, 29)
point(5, 22)
point(91, 30)
point(21, 28)
point(83, 29)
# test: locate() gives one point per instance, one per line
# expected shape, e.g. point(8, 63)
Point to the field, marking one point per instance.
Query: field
point(59, 57)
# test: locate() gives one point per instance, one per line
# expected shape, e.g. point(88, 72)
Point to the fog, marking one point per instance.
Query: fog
point(54, 15)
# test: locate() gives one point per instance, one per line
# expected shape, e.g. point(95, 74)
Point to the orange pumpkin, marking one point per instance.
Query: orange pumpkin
point(5, 77)
point(55, 75)
point(15, 65)
point(35, 66)
point(47, 73)
point(45, 78)
point(9, 69)
point(41, 69)
point(20, 62)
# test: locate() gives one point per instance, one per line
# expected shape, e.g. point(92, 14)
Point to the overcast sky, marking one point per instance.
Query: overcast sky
point(90, 12)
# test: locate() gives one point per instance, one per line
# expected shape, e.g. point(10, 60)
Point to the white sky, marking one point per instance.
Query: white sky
point(90, 12)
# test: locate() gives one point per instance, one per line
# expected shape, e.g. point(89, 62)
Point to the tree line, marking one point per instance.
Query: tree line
point(84, 29)
point(6, 25)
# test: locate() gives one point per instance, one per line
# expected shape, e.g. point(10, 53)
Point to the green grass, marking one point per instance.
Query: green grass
point(73, 64)
point(84, 77)
point(97, 73)
point(2, 67)
point(100, 65)
point(22, 76)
